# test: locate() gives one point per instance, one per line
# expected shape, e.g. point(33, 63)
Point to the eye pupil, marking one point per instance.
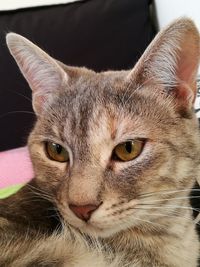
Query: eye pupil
point(128, 147)
point(58, 148)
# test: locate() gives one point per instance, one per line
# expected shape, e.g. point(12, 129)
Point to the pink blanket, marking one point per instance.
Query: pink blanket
point(15, 167)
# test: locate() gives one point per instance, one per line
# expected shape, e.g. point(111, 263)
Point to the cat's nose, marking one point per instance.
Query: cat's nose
point(83, 212)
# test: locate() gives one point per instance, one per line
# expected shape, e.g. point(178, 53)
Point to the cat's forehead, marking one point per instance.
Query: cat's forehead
point(104, 106)
point(88, 92)
point(89, 89)
point(110, 92)
point(86, 82)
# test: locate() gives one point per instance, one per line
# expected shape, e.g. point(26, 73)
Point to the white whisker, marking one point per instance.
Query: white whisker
point(174, 198)
point(20, 94)
point(165, 192)
point(40, 193)
point(16, 112)
point(172, 216)
point(147, 221)
point(168, 207)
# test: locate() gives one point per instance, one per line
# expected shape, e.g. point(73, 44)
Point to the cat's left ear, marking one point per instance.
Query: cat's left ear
point(171, 62)
point(43, 74)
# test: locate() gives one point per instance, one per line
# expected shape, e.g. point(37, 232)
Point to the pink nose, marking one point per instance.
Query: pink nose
point(83, 212)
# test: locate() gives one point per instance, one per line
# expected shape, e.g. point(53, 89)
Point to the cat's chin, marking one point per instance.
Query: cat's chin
point(95, 231)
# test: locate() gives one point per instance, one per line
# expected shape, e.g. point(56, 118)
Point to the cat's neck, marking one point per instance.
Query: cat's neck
point(153, 239)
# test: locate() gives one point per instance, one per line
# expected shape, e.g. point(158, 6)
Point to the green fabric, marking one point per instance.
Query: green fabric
point(8, 191)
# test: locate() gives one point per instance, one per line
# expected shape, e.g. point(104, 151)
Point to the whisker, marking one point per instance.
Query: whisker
point(16, 112)
point(173, 216)
point(147, 221)
point(124, 220)
point(41, 193)
point(197, 219)
point(36, 197)
point(129, 212)
point(174, 198)
point(167, 192)
point(169, 206)
point(20, 94)
point(36, 189)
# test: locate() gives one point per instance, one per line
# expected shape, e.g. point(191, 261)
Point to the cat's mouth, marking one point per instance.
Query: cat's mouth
point(94, 230)
point(95, 227)
point(90, 227)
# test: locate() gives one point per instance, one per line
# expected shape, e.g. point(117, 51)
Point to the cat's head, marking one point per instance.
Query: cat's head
point(114, 149)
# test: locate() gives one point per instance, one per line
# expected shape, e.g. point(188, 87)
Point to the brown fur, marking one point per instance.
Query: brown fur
point(144, 218)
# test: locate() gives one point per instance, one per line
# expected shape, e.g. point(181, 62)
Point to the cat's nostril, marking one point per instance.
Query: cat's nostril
point(83, 212)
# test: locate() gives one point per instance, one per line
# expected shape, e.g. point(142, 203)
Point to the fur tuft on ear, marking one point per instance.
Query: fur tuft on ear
point(42, 72)
point(171, 61)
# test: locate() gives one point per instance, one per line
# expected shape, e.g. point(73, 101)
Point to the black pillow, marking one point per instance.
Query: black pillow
point(99, 34)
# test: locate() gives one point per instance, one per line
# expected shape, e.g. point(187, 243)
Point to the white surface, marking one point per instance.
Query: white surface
point(16, 4)
point(168, 10)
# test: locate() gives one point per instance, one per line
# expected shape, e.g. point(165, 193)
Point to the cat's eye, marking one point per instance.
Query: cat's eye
point(128, 150)
point(56, 152)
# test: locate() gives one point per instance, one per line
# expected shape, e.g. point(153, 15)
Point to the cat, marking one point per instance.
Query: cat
point(115, 156)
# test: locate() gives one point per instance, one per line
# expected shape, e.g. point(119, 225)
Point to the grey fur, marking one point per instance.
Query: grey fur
point(145, 219)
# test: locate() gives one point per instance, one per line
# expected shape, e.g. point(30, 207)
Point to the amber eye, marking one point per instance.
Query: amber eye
point(56, 152)
point(128, 150)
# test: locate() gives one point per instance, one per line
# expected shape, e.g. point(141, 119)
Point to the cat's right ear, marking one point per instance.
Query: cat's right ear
point(171, 62)
point(41, 71)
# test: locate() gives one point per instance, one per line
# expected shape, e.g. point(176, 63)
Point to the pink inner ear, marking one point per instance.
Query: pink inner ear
point(43, 73)
point(188, 62)
point(185, 94)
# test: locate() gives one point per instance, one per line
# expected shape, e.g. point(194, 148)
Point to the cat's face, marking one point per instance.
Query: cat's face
point(113, 148)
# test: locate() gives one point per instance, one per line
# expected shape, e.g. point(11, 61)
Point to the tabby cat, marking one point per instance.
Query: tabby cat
point(115, 156)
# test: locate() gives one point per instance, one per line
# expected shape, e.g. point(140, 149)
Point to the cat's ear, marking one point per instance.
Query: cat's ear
point(171, 61)
point(43, 73)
